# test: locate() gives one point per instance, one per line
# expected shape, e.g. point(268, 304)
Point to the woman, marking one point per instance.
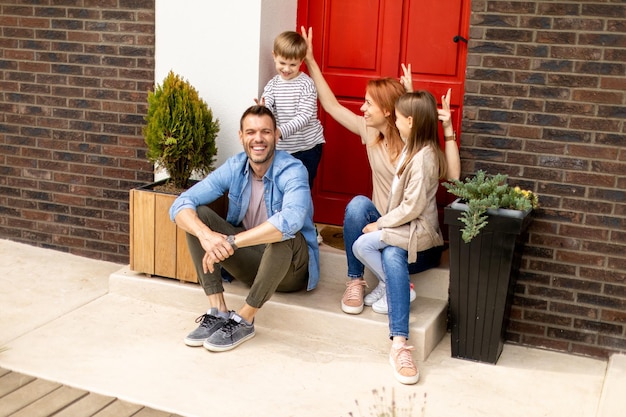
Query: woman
point(379, 134)
point(411, 224)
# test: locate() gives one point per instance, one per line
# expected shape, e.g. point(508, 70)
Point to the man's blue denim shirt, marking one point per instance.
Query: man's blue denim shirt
point(287, 199)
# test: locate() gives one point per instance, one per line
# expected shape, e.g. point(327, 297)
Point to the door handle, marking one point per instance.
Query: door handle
point(458, 38)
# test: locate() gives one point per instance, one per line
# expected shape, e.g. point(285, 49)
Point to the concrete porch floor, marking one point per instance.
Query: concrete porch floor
point(63, 319)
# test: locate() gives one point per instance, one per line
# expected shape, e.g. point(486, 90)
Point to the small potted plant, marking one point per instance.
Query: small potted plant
point(180, 133)
point(486, 227)
point(483, 194)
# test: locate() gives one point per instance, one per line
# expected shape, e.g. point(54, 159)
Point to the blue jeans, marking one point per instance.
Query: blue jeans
point(360, 211)
point(368, 249)
point(311, 160)
point(396, 267)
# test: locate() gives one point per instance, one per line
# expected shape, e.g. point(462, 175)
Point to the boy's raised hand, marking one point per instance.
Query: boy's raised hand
point(260, 101)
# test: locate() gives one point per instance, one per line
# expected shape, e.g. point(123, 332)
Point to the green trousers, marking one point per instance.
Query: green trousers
point(266, 268)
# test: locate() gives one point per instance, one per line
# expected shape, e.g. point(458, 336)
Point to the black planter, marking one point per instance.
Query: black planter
point(483, 273)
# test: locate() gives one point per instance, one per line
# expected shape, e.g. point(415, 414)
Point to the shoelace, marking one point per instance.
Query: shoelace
point(207, 320)
point(229, 327)
point(355, 289)
point(404, 358)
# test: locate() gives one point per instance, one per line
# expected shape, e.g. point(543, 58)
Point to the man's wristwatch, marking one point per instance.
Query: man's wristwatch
point(231, 241)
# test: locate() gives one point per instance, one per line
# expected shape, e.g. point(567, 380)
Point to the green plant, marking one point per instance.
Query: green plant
point(180, 130)
point(483, 192)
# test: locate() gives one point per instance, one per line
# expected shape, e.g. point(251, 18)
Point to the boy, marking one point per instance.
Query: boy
point(292, 97)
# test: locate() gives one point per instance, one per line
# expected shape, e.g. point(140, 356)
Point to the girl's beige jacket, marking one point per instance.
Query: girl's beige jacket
point(412, 222)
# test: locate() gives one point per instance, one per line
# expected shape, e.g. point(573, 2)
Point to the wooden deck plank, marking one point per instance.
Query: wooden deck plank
point(11, 381)
point(25, 395)
point(88, 405)
point(51, 403)
point(119, 409)
point(150, 412)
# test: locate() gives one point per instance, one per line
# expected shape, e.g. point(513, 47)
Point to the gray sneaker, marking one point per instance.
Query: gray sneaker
point(209, 323)
point(232, 334)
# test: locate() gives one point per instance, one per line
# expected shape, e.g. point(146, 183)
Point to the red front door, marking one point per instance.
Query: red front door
point(357, 40)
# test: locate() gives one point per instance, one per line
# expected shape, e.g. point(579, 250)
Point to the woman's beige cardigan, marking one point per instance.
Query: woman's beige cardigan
point(412, 222)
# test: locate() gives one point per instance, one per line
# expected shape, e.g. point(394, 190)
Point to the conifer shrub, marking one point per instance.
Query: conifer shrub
point(180, 130)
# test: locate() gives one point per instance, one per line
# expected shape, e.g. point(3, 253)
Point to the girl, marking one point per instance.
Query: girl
point(410, 224)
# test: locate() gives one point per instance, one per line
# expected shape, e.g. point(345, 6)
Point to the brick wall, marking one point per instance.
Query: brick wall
point(74, 76)
point(546, 104)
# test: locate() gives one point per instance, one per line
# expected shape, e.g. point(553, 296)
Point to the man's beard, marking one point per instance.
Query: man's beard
point(271, 149)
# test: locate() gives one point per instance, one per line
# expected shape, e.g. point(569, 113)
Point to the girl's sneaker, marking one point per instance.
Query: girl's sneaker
point(376, 294)
point(381, 306)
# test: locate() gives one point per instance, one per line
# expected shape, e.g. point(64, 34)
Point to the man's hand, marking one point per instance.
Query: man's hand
point(216, 250)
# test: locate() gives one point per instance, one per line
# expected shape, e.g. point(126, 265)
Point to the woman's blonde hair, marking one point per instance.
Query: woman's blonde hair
point(385, 92)
point(421, 106)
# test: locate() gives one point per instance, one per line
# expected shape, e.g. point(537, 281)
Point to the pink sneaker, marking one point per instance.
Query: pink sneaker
point(404, 369)
point(352, 300)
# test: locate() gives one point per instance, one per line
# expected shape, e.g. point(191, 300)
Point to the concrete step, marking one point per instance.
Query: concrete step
point(314, 315)
point(432, 283)
point(612, 400)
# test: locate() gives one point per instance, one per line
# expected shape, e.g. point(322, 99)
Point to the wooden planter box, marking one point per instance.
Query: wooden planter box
point(157, 245)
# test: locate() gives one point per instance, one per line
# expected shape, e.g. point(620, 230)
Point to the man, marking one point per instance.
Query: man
point(267, 240)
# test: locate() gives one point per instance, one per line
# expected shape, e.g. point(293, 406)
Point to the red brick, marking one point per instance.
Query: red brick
point(612, 343)
point(516, 326)
point(535, 316)
point(555, 241)
point(546, 343)
point(575, 310)
point(613, 83)
point(613, 316)
point(595, 96)
point(617, 263)
point(586, 350)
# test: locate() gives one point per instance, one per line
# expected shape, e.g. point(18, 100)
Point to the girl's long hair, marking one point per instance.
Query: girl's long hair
point(385, 92)
point(422, 107)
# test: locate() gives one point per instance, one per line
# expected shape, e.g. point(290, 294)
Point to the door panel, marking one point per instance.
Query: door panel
point(338, 42)
point(344, 157)
point(429, 33)
point(344, 167)
point(353, 45)
point(357, 40)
